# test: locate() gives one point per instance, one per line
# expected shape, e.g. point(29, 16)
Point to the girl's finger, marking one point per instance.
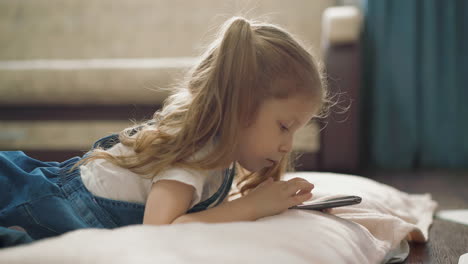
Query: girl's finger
point(303, 191)
point(296, 186)
point(297, 179)
point(299, 199)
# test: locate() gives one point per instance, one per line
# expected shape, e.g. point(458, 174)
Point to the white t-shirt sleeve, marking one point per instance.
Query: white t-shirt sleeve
point(187, 176)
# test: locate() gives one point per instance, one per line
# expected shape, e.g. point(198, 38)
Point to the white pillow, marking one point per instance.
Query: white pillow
point(363, 233)
point(382, 206)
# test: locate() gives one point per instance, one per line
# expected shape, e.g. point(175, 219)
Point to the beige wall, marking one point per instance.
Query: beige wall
point(81, 29)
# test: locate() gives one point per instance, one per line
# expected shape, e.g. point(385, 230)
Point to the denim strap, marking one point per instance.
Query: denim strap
point(222, 192)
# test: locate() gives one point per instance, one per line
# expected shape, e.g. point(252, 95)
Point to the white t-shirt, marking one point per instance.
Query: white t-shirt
point(104, 179)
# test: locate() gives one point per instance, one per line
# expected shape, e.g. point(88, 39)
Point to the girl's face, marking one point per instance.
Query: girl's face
point(270, 136)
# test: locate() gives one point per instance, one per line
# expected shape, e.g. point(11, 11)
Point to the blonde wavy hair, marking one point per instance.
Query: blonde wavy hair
point(218, 96)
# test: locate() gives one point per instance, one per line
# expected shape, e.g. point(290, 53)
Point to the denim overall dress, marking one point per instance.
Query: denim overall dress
point(46, 199)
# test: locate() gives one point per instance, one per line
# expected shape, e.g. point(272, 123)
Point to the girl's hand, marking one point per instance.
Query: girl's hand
point(270, 197)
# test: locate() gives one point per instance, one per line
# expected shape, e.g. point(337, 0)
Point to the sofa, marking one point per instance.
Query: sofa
point(74, 71)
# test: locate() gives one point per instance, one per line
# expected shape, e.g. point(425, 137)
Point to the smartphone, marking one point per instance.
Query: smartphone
point(329, 203)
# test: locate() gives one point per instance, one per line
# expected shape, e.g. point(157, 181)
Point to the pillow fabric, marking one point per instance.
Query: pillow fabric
point(383, 207)
point(362, 233)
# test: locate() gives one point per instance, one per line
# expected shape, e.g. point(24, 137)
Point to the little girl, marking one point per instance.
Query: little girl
point(236, 114)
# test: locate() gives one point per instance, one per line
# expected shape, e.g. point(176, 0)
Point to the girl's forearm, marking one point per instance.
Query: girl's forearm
point(236, 210)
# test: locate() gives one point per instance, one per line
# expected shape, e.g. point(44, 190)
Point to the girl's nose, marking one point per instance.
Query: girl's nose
point(286, 146)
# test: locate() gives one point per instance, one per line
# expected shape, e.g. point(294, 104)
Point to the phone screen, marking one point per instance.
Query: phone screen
point(330, 203)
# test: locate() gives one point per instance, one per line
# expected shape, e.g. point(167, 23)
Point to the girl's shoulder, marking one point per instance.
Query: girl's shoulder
point(120, 149)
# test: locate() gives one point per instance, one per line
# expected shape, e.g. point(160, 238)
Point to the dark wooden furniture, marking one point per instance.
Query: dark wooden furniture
point(447, 240)
point(340, 135)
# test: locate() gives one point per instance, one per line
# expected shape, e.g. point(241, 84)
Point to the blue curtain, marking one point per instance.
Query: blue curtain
point(415, 94)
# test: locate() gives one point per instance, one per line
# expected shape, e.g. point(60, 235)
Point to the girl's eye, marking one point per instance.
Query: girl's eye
point(283, 128)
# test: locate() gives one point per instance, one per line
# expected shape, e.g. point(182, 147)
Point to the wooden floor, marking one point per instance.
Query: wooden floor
point(447, 240)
